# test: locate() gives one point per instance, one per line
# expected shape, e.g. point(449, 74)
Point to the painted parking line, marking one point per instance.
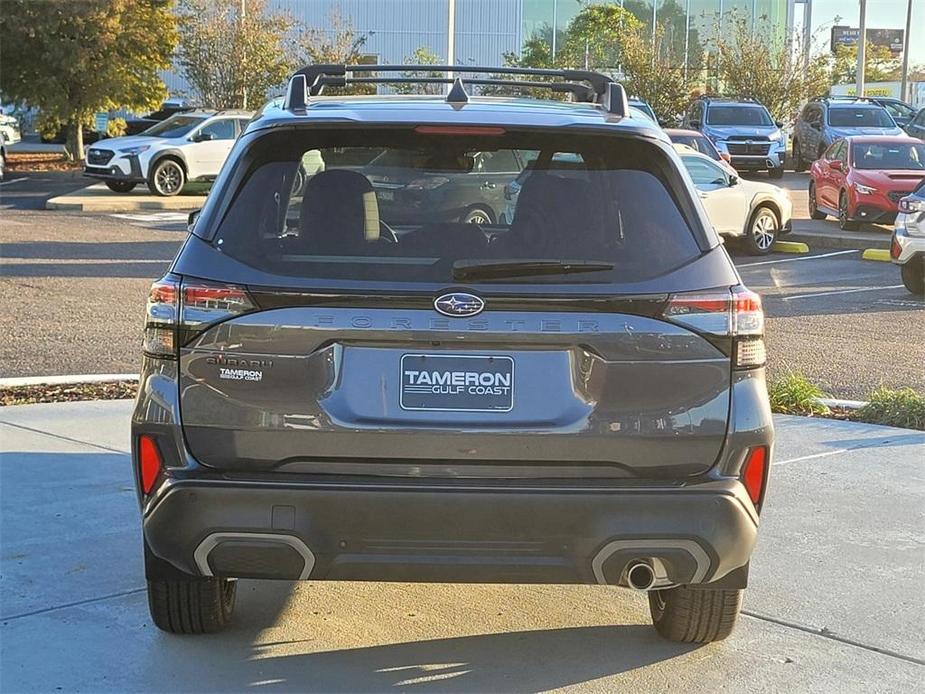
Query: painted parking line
point(841, 291)
point(154, 217)
point(793, 260)
point(15, 180)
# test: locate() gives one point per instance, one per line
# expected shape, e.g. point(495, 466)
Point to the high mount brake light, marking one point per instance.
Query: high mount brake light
point(174, 313)
point(459, 130)
point(734, 313)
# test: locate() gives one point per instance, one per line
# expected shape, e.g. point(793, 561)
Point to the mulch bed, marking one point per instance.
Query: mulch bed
point(21, 162)
point(30, 395)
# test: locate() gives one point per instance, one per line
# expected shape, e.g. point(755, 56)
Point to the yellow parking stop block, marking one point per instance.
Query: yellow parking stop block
point(790, 247)
point(881, 254)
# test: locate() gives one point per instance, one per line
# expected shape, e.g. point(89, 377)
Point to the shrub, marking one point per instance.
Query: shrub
point(794, 394)
point(897, 408)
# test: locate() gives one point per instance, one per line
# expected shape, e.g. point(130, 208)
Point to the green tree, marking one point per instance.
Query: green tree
point(755, 64)
point(71, 60)
point(341, 43)
point(880, 65)
point(234, 53)
point(595, 36)
point(421, 56)
point(651, 73)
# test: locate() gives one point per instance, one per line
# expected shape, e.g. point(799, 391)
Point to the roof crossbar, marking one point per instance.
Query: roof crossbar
point(597, 88)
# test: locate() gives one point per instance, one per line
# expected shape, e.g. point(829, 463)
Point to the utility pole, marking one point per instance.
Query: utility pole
point(451, 36)
point(687, 37)
point(242, 16)
point(906, 44)
point(862, 49)
point(555, 26)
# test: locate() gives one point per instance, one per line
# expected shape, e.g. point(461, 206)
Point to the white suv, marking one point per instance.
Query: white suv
point(908, 246)
point(186, 147)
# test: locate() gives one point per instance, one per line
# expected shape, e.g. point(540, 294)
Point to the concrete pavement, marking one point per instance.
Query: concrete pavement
point(834, 604)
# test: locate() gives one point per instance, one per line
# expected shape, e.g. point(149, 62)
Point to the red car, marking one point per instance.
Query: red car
point(861, 179)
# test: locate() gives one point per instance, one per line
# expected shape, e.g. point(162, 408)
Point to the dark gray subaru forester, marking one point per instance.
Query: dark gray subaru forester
point(349, 375)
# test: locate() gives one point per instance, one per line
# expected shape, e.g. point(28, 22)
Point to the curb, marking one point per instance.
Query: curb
point(98, 198)
point(881, 254)
point(790, 247)
point(841, 404)
point(839, 241)
point(73, 379)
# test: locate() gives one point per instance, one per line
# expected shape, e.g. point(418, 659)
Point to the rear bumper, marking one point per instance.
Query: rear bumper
point(904, 247)
point(403, 532)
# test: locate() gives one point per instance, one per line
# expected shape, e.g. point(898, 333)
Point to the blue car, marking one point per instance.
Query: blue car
point(826, 119)
point(744, 129)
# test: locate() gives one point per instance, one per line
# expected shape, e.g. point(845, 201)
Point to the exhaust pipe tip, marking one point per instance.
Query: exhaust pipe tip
point(640, 575)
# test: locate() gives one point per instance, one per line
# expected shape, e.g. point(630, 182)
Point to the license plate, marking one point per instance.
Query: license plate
point(457, 383)
point(385, 195)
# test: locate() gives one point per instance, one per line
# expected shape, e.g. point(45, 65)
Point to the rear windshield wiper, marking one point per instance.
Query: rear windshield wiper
point(487, 269)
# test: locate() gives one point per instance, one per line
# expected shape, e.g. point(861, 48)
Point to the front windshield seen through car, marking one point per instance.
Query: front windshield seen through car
point(738, 115)
point(890, 156)
point(860, 117)
point(175, 126)
point(698, 143)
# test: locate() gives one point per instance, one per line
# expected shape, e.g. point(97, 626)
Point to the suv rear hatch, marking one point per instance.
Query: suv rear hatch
point(592, 337)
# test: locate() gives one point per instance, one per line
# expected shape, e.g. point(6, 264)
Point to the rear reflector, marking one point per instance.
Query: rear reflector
point(149, 462)
point(750, 351)
point(754, 473)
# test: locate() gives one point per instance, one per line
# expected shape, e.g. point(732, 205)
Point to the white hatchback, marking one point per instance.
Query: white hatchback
point(754, 212)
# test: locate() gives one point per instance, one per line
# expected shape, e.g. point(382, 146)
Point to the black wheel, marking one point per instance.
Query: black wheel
point(813, 209)
point(167, 178)
point(798, 163)
point(776, 174)
point(694, 616)
point(913, 274)
point(192, 605)
point(477, 215)
point(844, 221)
point(120, 186)
point(761, 232)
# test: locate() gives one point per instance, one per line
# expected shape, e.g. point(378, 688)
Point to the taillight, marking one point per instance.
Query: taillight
point(149, 462)
point(176, 312)
point(755, 473)
point(734, 313)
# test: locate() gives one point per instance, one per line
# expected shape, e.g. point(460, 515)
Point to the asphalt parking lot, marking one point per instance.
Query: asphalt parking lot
point(834, 602)
point(75, 285)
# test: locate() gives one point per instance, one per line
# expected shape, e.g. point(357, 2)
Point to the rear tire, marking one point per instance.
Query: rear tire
point(120, 186)
point(762, 232)
point(913, 274)
point(477, 215)
point(776, 174)
point(814, 212)
point(844, 221)
point(191, 605)
point(694, 616)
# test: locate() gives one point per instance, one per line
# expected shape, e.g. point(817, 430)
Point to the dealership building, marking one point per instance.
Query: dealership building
point(480, 32)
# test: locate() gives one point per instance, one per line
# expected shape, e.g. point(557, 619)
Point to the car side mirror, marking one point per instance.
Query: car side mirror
point(816, 126)
point(695, 124)
point(835, 164)
point(191, 220)
point(726, 157)
point(779, 123)
point(733, 181)
point(204, 137)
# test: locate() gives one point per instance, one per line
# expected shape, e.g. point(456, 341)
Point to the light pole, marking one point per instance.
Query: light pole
point(862, 49)
point(243, 16)
point(555, 25)
point(687, 36)
point(906, 44)
point(451, 36)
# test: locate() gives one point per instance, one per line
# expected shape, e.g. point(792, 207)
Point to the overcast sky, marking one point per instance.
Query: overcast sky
point(881, 14)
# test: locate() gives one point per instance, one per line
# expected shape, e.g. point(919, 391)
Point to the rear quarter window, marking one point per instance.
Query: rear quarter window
point(402, 205)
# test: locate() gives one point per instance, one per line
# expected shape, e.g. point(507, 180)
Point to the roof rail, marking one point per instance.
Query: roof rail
point(584, 85)
point(727, 97)
point(840, 97)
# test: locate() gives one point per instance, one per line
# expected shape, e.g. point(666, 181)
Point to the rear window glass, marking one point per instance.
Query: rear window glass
point(860, 118)
point(392, 204)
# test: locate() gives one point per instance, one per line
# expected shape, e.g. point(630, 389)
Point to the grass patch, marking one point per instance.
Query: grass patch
point(795, 394)
point(896, 408)
point(30, 395)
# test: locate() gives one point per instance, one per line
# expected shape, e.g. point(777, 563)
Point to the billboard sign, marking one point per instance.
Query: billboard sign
point(889, 38)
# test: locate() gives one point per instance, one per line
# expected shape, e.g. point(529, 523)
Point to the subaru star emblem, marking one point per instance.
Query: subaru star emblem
point(458, 304)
